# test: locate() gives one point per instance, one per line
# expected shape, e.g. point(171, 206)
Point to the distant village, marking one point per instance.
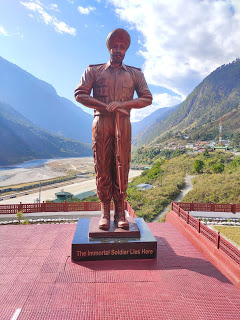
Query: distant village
point(191, 148)
point(198, 146)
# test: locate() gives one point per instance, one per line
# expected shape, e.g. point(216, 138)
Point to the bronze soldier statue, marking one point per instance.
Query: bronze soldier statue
point(113, 85)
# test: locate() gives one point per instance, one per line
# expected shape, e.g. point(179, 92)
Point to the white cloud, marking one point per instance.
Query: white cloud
point(54, 7)
point(183, 41)
point(161, 100)
point(86, 10)
point(4, 32)
point(60, 26)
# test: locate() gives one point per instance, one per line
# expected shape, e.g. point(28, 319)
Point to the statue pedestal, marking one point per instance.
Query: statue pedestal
point(113, 231)
point(115, 245)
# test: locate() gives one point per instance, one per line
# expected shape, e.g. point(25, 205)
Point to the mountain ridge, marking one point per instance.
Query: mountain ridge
point(217, 95)
point(158, 114)
point(22, 141)
point(39, 102)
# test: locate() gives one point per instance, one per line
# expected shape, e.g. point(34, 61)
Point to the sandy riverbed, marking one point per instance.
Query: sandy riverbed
point(52, 169)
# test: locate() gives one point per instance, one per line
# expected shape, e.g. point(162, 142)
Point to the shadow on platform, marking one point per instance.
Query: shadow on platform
point(167, 259)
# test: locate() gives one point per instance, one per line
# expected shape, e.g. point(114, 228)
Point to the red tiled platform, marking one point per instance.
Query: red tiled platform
point(38, 277)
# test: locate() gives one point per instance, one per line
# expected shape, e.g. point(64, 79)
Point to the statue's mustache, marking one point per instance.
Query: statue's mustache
point(118, 54)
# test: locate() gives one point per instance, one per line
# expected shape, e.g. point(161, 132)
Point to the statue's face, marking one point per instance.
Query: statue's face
point(117, 51)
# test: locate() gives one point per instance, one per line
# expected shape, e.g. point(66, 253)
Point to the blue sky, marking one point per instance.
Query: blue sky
point(176, 43)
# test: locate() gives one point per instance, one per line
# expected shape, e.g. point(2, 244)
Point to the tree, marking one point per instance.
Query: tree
point(155, 171)
point(206, 153)
point(217, 168)
point(235, 163)
point(198, 165)
point(236, 140)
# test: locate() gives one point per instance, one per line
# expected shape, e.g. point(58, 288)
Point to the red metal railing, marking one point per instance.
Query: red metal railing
point(130, 210)
point(214, 207)
point(49, 207)
point(214, 237)
point(57, 207)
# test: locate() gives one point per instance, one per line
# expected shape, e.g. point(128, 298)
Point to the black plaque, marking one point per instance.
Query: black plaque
point(87, 249)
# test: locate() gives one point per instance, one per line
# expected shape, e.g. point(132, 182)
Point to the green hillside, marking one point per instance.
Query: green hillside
point(218, 95)
point(210, 130)
point(216, 178)
point(20, 140)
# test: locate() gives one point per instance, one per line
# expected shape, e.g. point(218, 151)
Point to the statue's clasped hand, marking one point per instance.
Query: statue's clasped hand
point(116, 106)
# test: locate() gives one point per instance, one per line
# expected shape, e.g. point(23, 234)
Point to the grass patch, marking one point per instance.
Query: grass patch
point(217, 188)
point(163, 218)
point(233, 233)
point(210, 186)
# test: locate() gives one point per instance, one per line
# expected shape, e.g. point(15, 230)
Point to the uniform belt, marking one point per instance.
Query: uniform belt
point(109, 114)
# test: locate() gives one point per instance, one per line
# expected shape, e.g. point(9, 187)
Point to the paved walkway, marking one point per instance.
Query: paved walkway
point(220, 215)
point(39, 281)
point(55, 215)
point(188, 187)
point(52, 215)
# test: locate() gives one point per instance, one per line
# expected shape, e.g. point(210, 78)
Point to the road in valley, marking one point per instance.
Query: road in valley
point(74, 188)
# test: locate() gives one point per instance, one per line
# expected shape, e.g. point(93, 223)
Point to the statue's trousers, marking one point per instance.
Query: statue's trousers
point(104, 144)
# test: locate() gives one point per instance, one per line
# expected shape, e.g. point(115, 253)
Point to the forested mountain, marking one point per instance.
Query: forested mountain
point(154, 117)
point(39, 102)
point(20, 140)
point(218, 95)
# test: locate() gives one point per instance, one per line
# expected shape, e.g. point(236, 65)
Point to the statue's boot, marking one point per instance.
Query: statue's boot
point(116, 212)
point(119, 215)
point(104, 222)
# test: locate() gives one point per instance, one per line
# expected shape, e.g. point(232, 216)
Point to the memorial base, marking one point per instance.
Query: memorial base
point(113, 231)
point(85, 248)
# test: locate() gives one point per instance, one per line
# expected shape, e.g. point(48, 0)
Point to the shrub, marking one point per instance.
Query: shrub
point(198, 166)
point(218, 167)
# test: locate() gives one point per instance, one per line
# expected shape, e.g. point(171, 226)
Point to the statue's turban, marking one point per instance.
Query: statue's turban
point(118, 35)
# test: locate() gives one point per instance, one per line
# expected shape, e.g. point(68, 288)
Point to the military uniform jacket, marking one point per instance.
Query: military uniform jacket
point(113, 84)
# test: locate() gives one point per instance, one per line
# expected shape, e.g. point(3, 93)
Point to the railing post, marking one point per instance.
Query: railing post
point(191, 206)
point(20, 206)
point(199, 224)
point(212, 206)
point(65, 209)
point(187, 217)
point(218, 239)
point(43, 207)
point(233, 208)
point(128, 207)
point(171, 205)
point(179, 211)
